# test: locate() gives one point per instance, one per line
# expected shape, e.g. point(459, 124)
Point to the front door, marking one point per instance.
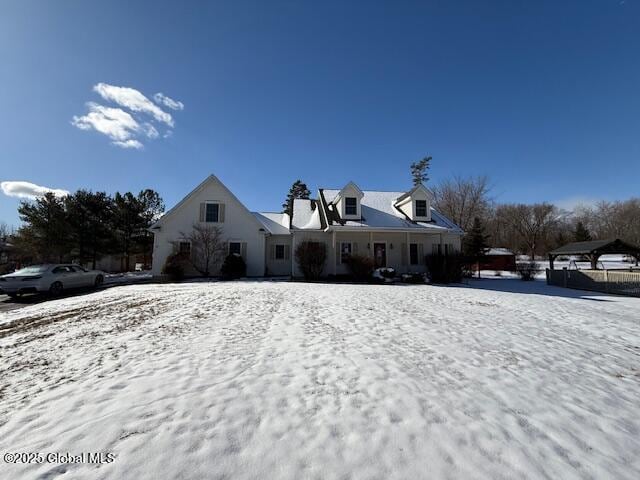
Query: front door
point(380, 254)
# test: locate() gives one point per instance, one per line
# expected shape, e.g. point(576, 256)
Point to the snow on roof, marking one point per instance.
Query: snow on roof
point(499, 251)
point(305, 217)
point(274, 223)
point(379, 211)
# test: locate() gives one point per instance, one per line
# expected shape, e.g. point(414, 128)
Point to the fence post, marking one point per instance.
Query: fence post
point(606, 280)
point(564, 277)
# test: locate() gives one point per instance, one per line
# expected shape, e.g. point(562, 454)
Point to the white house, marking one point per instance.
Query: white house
point(396, 229)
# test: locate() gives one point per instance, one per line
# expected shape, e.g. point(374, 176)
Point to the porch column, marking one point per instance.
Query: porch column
point(335, 256)
point(371, 244)
point(408, 251)
point(293, 250)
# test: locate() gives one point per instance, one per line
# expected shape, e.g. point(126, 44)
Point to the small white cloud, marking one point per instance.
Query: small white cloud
point(150, 131)
point(133, 100)
point(129, 144)
point(168, 102)
point(113, 122)
point(29, 190)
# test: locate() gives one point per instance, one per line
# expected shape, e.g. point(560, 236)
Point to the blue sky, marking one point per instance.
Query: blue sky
point(543, 97)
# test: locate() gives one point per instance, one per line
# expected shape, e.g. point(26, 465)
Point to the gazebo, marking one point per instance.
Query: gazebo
point(595, 249)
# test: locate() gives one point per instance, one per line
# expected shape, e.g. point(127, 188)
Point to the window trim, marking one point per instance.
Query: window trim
point(342, 260)
point(284, 252)
point(184, 242)
point(411, 262)
point(229, 252)
point(346, 207)
point(426, 208)
point(206, 207)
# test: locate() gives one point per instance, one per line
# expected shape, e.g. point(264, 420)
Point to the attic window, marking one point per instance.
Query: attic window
point(212, 213)
point(421, 208)
point(351, 206)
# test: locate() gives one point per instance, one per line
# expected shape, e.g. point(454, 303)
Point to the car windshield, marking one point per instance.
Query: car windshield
point(32, 270)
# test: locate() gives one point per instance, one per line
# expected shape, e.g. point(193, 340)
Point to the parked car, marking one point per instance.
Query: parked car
point(53, 279)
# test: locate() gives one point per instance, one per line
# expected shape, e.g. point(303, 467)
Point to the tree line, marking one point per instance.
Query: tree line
point(85, 226)
point(533, 229)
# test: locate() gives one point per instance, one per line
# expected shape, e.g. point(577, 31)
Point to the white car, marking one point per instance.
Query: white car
point(53, 279)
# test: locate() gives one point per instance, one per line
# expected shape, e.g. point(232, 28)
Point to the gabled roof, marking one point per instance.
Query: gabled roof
point(210, 179)
point(419, 187)
point(598, 247)
point(340, 193)
point(379, 211)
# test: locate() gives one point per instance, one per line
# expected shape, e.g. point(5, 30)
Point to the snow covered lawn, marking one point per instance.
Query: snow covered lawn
point(499, 379)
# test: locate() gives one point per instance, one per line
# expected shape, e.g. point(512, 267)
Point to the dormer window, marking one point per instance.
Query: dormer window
point(421, 208)
point(351, 206)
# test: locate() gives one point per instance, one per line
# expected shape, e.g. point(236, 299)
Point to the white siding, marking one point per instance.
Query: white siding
point(239, 225)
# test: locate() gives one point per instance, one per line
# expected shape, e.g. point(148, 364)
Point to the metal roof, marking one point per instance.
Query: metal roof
point(601, 247)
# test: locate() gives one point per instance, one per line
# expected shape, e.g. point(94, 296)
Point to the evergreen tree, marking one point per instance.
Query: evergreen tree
point(297, 190)
point(128, 223)
point(78, 224)
point(476, 243)
point(152, 209)
point(581, 233)
point(99, 207)
point(47, 224)
point(419, 171)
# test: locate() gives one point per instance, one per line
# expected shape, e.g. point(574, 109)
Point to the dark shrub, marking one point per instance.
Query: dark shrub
point(361, 267)
point(311, 257)
point(175, 266)
point(446, 268)
point(233, 267)
point(528, 270)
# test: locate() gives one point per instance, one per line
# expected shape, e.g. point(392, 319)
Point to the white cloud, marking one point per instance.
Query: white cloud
point(150, 131)
point(129, 144)
point(133, 100)
point(132, 121)
point(115, 123)
point(29, 190)
point(168, 102)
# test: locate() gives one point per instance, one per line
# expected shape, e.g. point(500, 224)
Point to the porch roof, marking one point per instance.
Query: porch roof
point(597, 247)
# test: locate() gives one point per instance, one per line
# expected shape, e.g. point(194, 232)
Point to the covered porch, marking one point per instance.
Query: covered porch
point(404, 251)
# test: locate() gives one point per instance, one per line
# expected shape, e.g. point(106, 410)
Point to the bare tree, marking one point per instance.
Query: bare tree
point(5, 231)
point(531, 223)
point(207, 248)
point(463, 199)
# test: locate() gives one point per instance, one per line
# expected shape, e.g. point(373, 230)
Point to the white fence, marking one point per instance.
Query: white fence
point(621, 282)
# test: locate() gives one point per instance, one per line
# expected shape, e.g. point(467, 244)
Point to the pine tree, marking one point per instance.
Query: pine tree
point(48, 227)
point(419, 171)
point(297, 190)
point(476, 242)
point(581, 233)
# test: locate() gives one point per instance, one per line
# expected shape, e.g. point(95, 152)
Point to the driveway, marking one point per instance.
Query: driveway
point(7, 304)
